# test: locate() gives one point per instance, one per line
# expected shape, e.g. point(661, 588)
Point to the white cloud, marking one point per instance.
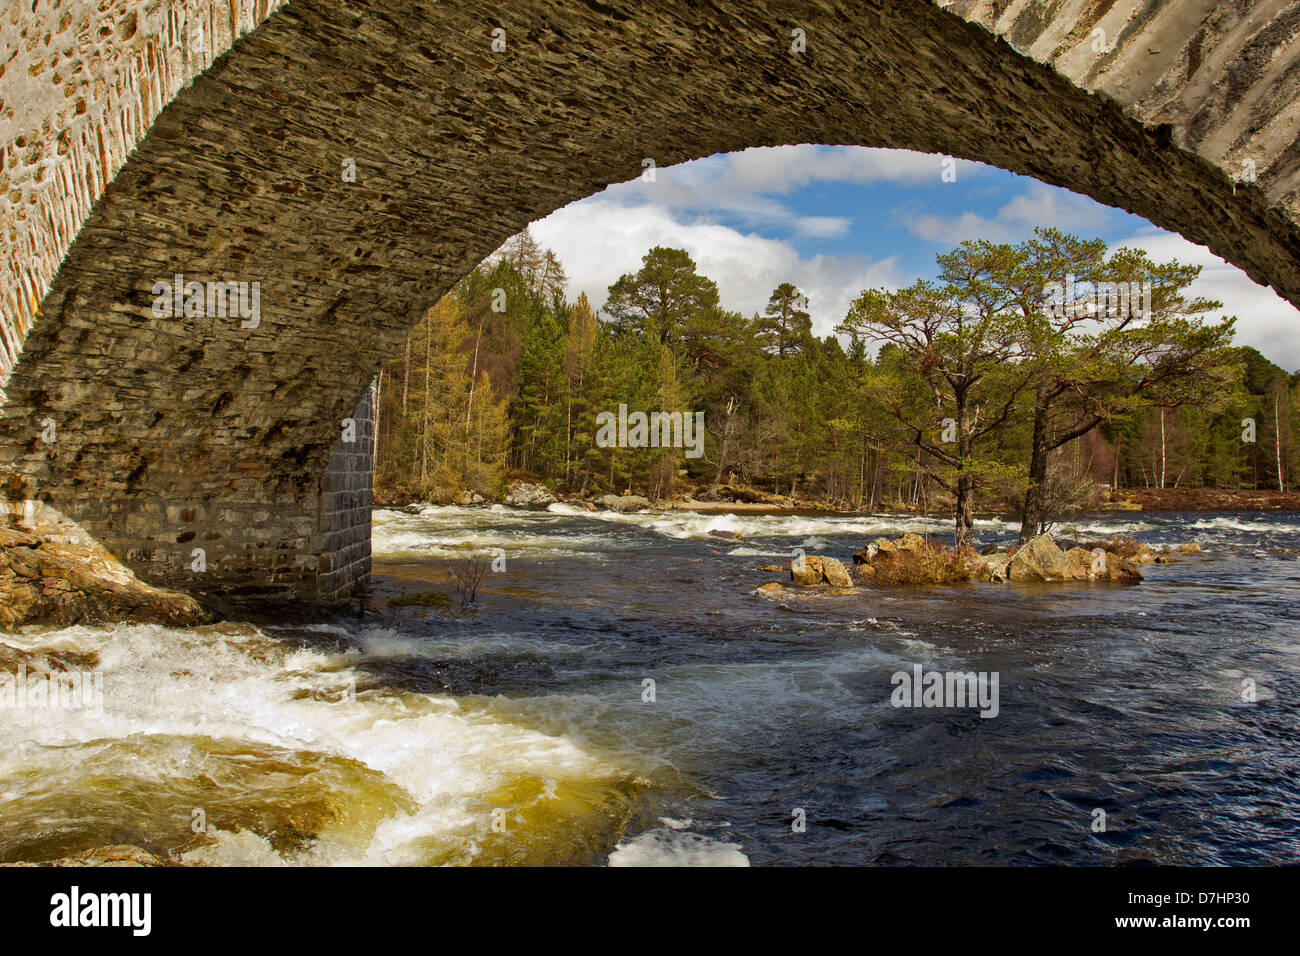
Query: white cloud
point(822, 227)
point(604, 236)
point(743, 185)
point(1039, 205)
point(1265, 320)
point(599, 239)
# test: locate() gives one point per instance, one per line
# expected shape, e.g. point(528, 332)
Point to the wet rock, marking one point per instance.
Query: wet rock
point(1039, 560)
point(993, 567)
point(13, 538)
point(814, 569)
point(1120, 570)
point(1079, 563)
point(470, 498)
point(60, 585)
point(119, 855)
point(866, 555)
point(836, 574)
point(623, 503)
point(729, 535)
point(770, 589)
point(522, 494)
point(1088, 565)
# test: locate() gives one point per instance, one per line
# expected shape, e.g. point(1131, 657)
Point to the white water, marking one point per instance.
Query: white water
point(196, 719)
point(448, 531)
point(267, 739)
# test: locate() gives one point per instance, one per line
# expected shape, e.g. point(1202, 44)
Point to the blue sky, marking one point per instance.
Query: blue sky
point(837, 219)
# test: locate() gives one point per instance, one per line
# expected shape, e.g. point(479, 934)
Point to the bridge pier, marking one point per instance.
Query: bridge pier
point(345, 497)
point(315, 549)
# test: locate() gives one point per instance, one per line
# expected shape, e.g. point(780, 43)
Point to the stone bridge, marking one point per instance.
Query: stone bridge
point(214, 140)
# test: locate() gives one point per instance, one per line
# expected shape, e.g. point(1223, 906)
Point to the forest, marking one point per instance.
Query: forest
point(1009, 382)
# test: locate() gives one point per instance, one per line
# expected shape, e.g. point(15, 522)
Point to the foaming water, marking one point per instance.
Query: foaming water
point(620, 695)
point(282, 752)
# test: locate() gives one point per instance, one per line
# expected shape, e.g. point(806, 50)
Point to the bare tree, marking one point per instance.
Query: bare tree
point(466, 576)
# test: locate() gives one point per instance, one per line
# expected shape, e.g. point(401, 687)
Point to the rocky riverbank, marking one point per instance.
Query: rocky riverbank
point(1203, 499)
point(52, 573)
point(531, 494)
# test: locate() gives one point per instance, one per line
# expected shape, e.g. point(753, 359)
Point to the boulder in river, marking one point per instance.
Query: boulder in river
point(913, 560)
point(814, 569)
point(1039, 560)
point(523, 494)
point(623, 503)
point(78, 582)
point(993, 567)
point(865, 556)
point(123, 854)
point(1042, 560)
point(1119, 570)
point(912, 542)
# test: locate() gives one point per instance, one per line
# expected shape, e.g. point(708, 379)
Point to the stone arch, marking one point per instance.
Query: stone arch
point(185, 429)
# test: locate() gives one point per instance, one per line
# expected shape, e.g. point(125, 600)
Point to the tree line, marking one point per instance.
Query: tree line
point(1024, 376)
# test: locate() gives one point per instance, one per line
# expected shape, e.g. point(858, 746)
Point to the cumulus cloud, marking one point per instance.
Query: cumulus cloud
point(1265, 320)
point(1038, 205)
point(604, 236)
point(600, 239)
point(745, 185)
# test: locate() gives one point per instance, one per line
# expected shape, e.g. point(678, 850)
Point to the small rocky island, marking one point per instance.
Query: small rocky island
point(913, 559)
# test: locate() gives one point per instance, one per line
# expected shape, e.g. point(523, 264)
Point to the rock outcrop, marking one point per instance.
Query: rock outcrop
point(123, 854)
point(814, 569)
point(78, 582)
point(912, 559)
point(1039, 560)
point(522, 494)
point(1042, 560)
point(994, 567)
point(623, 503)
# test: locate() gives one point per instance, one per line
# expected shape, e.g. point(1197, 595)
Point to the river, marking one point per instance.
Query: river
point(526, 730)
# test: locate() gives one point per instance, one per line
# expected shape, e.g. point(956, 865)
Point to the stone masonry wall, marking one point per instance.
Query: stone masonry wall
point(316, 549)
point(345, 503)
point(80, 84)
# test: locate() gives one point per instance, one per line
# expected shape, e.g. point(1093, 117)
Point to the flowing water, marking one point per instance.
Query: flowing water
point(524, 730)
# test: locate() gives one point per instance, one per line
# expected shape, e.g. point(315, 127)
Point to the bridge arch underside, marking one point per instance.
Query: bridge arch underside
point(187, 431)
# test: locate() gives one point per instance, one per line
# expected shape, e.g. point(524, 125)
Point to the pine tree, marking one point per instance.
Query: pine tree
point(786, 325)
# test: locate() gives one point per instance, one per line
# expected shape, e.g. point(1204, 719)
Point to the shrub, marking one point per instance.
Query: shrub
point(934, 564)
point(1123, 545)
